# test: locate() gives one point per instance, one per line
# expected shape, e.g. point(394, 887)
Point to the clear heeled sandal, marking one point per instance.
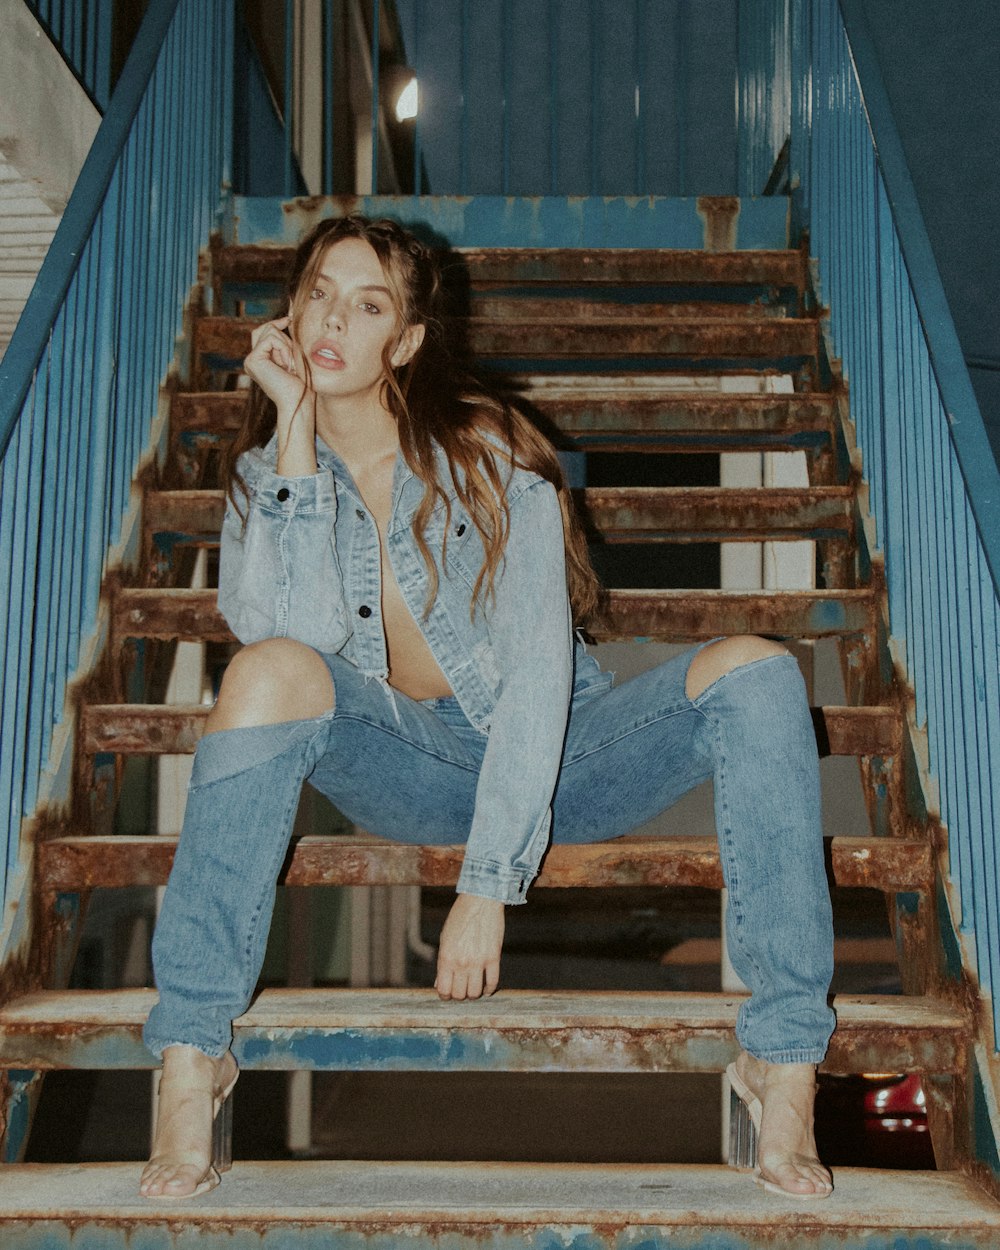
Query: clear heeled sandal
point(744, 1130)
point(222, 1148)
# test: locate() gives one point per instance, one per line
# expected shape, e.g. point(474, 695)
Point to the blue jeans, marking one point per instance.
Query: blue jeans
point(631, 752)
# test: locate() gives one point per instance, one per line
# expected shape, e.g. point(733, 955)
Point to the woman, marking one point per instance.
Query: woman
point(400, 558)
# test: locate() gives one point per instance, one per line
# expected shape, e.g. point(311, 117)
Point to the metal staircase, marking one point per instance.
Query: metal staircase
point(597, 344)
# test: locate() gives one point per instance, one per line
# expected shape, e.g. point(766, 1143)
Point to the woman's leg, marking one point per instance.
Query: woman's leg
point(734, 710)
point(261, 740)
point(779, 1046)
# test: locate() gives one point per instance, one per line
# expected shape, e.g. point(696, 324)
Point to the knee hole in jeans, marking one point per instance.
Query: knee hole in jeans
point(271, 682)
point(724, 656)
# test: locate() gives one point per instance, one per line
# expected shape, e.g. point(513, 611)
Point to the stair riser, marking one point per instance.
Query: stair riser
point(518, 266)
point(83, 864)
point(222, 343)
point(372, 1229)
point(150, 729)
point(451, 1048)
point(624, 410)
point(619, 515)
point(660, 616)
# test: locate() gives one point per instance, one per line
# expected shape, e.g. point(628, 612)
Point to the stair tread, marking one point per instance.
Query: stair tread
point(616, 512)
point(158, 728)
point(405, 1030)
point(420, 1008)
point(382, 1196)
point(515, 266)
point(667, 615)
point(227, 339)
point(361, 859)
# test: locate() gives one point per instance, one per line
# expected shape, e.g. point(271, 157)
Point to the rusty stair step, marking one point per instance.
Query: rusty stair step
point(336, 1203)
point(174, 729)
point(601, 413)
point(85, 863)
point(223, 342)
point(500, 266)
point(499, 305)
point(615, 513)
point(657, 615)
point(522, 1030)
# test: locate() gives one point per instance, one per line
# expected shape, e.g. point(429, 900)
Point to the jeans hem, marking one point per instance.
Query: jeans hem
point(807, 1054)
point(157, 1048)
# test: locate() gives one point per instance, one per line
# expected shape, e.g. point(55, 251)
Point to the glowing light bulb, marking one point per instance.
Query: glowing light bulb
point(406, 104)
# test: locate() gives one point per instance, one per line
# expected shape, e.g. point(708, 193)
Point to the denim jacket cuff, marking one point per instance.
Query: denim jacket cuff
point(288, 495)
point(489, 880)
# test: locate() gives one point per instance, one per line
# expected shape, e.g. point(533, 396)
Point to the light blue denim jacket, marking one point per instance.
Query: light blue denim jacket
point(307, 566)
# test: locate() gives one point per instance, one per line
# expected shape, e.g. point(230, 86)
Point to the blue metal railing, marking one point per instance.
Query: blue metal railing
point(934, 487)
point(79, 381)
point(83, 34)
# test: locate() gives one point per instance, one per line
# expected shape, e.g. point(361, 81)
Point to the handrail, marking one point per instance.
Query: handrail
point(80, 381)
point(933, 484)
point(965, 423)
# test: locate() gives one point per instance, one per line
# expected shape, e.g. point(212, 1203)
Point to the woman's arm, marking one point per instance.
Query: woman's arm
point(531, 634)
point(278, 573)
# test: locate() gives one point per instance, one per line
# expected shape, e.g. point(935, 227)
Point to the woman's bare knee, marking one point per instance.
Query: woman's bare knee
point(719, 658)
point(272, 681)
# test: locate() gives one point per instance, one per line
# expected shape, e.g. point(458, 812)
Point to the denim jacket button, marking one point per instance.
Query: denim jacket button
point(364, 611)
point(283, 494)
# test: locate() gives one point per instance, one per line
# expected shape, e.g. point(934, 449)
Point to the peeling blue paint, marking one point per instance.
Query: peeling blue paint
point(524, 221)
point(176, 1235)
point(19, 1110)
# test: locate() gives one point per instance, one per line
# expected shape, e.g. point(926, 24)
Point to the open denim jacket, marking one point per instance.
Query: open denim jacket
point(307, 566)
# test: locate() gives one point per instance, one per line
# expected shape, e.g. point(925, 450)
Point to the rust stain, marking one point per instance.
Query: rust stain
point(228, 338)
point(506, 266)
point(75, 863)
point(720, 215)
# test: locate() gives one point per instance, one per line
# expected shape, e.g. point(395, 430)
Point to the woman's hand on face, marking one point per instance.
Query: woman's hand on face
point(468, 963)
point(275, 363)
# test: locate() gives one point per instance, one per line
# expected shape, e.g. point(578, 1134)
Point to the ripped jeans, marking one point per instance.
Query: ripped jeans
point(631, 752)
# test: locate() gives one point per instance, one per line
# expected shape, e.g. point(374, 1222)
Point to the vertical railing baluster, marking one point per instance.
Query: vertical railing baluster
point(465, 78)
point(289, 89)
point(328, 100)
point(555, 112)
point(376, 88)
point(12, 587)
point(639, 125)
point(78, 460)
point(507, 54)
point(418, 175)
point(594, 28)
point(680, 97)
point(28, 691)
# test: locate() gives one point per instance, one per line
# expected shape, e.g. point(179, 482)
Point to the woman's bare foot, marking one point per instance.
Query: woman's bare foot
point(191, 1089)
point(786, 1147)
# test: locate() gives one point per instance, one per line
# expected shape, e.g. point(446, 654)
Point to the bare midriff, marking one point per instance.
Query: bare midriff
point(412, 667)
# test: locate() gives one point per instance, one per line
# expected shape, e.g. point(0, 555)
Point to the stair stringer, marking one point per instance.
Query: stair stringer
point(934, 954)
point(41, 928)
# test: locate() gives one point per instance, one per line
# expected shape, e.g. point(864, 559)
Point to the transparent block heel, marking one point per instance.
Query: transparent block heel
point(745, 1114)
point(222, 1134)
point(742, 1133)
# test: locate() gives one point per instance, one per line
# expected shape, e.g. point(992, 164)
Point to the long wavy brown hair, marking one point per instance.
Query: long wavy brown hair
point(436, 402)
